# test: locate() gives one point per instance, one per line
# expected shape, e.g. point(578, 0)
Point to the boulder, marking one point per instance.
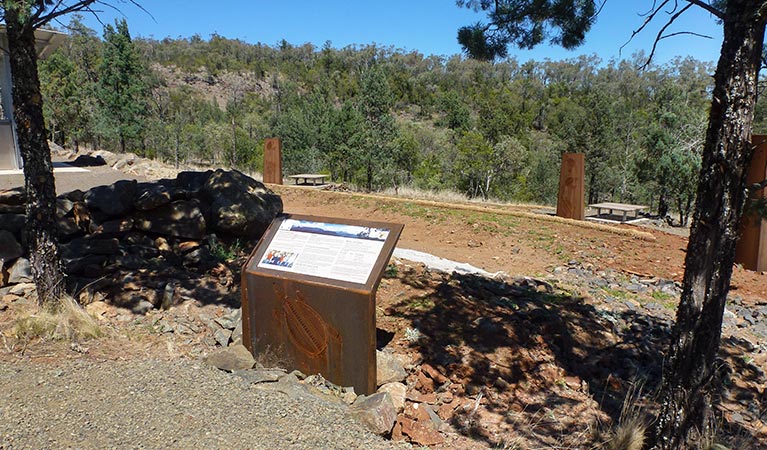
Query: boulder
point(128, 159)
point(180, 219)
point(235, 357)
point(240, 205)
point(63, 207)
point(77, 264)
point(190, 184)
point(397, 391)
point(113, 200)
point(11, 209)
point(13, 196)
point(20, 272)
point(67, 227)
point(12, 222)
point(116, 228)
point(151, 196)
point(89, 161)
point(90, 246)
point(376, 412)
point(10, 248)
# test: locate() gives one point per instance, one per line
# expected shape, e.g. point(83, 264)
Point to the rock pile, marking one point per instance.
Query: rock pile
point(145, 241)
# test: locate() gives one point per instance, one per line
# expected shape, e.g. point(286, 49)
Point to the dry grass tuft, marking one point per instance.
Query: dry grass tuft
point(630, 431)
point(628, 435)
point(446, 195)
point(69, 323)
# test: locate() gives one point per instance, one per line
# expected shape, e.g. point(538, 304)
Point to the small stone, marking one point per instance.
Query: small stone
point(162, 244)
point(424, 383)
point(188, 246)
point(237, 333)
point(420, 434)
point(415, 396)
point(222, 336)
point(389, 368)
point(434, 374)
point(10, 248)
point(21, 272)
point(256, 376)
point(229, 321)
point(436, 421)
point(235, 357)
point(376, 412)
point(398, 392)
point(142, 307)
point(22, 289)
point(349, 396)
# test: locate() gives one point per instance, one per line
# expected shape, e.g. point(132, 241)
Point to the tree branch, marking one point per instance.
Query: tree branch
point(38, 19)
point(714, 12)
point(41, 20)
point(649, 16)
point(660, 35)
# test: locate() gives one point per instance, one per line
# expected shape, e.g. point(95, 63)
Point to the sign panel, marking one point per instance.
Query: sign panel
point(328, 250)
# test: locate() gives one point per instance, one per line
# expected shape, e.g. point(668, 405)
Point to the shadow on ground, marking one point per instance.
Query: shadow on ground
point(528, 353)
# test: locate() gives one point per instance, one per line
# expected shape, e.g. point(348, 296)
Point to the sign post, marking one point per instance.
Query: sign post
point(570, 201)
point(308, 295)
point(751, 248)
point(273, 161)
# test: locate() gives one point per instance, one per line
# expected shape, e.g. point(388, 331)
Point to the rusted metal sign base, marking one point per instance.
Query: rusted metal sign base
point(311, 323)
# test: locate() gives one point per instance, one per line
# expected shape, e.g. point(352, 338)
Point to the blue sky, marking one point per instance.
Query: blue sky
point(428, 26)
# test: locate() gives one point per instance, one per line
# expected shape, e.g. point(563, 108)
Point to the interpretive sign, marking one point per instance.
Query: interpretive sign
point(328, 250)
point(309, 295)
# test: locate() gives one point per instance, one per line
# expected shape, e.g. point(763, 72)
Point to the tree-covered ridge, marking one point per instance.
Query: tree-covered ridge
point(381, 117)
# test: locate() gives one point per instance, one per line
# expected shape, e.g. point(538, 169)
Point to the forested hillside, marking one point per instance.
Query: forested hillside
point(378, 117)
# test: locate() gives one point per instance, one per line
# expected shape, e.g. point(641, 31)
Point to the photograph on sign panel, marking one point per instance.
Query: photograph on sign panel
point(279, 258)
point(336, 229)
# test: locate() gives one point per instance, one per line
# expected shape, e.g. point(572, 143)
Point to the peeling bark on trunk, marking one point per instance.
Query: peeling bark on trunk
point(689, 387)
point(40, 229)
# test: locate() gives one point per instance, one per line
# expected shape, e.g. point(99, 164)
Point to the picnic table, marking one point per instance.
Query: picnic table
point(314, 177)
point(622, 207)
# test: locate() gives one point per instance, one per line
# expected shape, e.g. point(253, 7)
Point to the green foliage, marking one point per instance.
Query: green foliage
point(382, 118)
point(526, 23)
point(378, 128)
point(121, 90)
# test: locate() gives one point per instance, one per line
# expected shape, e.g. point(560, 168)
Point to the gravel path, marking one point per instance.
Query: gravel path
point(160, 404)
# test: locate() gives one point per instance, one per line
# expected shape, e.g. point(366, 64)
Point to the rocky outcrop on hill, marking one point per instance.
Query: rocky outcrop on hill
point(118, 236)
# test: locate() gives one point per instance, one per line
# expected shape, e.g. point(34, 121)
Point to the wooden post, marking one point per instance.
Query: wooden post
point(273, 161)
point(570, 201)
point(751, 249)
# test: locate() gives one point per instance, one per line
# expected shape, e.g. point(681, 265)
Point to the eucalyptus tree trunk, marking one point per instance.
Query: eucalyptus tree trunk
point(40, 229)
point(690, 375)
